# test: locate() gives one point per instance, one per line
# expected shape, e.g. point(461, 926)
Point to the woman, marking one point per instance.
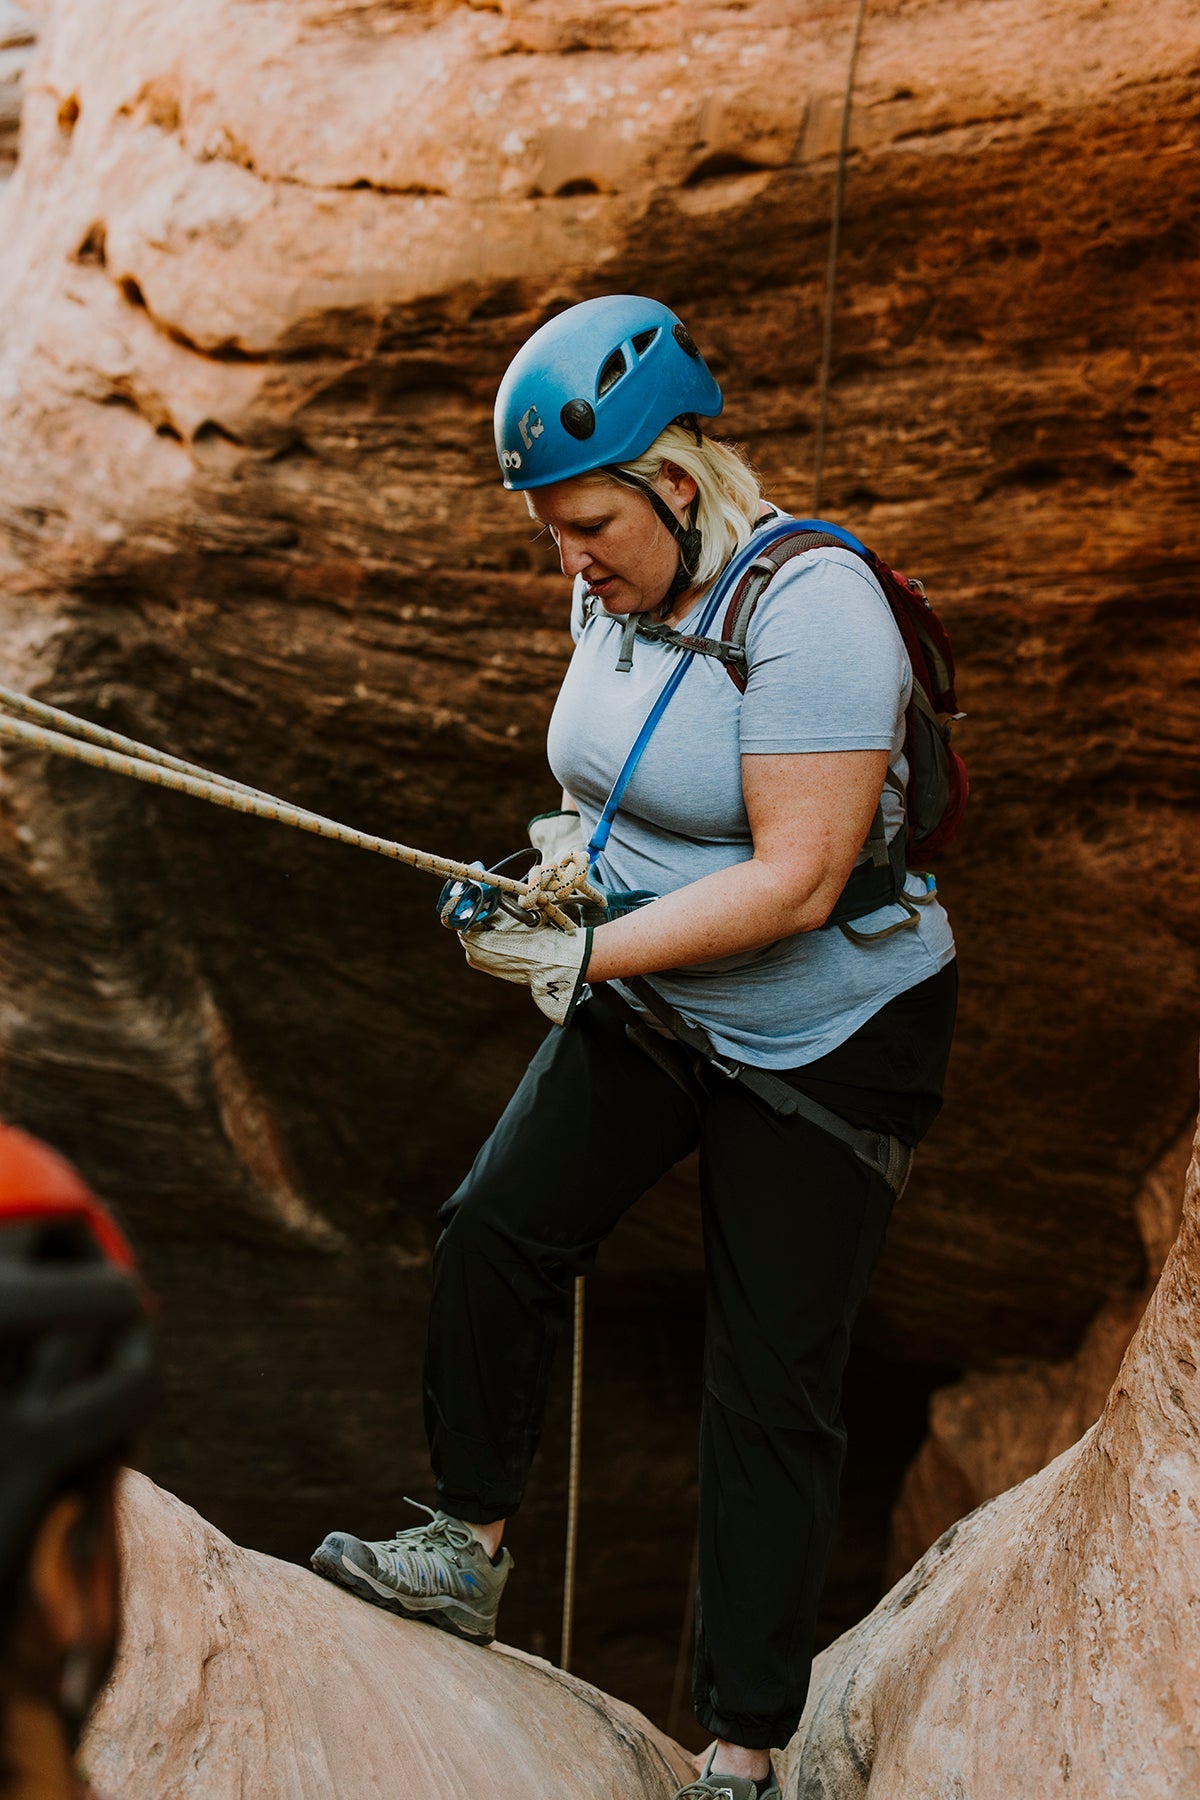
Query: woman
point(746, 815)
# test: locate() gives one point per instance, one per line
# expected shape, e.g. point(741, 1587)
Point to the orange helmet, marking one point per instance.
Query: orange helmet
point(76, 1351)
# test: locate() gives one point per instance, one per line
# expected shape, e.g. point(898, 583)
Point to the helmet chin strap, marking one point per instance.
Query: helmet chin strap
point(686, 536)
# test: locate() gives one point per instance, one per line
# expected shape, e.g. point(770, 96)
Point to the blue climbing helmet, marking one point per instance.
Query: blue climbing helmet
point(594, 388)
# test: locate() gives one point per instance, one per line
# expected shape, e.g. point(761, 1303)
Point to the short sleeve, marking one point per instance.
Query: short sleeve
point(827, 666)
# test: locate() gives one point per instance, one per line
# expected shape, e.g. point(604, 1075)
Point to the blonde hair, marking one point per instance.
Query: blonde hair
point(728, 492)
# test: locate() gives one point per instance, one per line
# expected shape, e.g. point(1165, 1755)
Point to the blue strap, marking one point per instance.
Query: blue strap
point(728, 579)
point(843, 536)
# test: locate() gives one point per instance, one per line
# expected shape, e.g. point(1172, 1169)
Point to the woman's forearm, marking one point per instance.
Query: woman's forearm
point(809, 816)
point(739, 908)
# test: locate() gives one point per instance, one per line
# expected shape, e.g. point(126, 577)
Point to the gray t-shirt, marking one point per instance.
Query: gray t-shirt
point(827, 671)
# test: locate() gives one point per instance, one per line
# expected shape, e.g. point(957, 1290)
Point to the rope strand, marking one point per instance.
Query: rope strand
point(568, 1617)
point(88, 733)
point(835, 228)
point(94, 745)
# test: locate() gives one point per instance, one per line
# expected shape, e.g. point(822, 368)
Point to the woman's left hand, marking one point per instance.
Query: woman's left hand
point(550, 962)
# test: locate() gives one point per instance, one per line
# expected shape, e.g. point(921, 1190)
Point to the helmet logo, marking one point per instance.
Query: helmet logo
point(530, 426)
point(510, 459)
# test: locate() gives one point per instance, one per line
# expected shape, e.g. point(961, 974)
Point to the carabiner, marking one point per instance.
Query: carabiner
point(463, 905)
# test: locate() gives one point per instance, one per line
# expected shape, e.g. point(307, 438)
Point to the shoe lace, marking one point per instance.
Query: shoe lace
point(442, 1532)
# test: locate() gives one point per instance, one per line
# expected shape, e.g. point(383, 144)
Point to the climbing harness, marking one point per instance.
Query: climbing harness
point(44, 727)
point(686, 1053)
point(885, 1156)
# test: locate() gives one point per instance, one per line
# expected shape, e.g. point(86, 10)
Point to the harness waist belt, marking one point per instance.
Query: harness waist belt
point(887, 1156)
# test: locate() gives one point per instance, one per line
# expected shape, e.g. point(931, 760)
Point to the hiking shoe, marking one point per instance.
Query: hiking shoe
point(438, 1572)
point(728, 1787)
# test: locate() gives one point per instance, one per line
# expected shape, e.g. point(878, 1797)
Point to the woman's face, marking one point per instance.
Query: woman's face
point(612, 536)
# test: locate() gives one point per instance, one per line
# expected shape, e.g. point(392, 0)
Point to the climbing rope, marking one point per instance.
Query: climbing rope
point(835, 228)
point(687, 1642)
point(48, 728)
point(24, 720)
point(568, 1614)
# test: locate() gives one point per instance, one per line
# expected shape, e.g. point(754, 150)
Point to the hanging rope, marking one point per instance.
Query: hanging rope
point(835, 228)
point(568, 1613)
point(687, 1642)
point(45, 727)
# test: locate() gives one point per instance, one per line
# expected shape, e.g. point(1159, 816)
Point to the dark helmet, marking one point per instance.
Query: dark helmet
point(76, 1352)
point(594, 388)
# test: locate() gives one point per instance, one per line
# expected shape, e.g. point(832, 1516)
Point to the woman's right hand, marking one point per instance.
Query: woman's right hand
point(549, 961)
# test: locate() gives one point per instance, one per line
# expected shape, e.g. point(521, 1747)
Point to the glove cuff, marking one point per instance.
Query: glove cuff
point(555, 834)
point(581, 982)
point(547, 985)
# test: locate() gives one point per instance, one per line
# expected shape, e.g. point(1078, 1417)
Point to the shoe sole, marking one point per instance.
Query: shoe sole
point(343, 1574)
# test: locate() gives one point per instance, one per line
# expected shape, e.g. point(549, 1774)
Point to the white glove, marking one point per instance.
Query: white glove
point(554, 835)
point(550, 962)
point(562, 873)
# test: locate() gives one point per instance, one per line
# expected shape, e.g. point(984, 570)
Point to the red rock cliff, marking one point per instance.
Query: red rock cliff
point(262, 268)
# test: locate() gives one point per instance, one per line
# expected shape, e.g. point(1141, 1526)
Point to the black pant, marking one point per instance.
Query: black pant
point(793, 1223)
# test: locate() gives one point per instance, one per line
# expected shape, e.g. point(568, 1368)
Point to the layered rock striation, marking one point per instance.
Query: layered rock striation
point(18, 34)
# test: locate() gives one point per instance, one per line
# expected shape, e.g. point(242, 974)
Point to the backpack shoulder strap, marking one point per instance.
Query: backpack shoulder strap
point(750, 589)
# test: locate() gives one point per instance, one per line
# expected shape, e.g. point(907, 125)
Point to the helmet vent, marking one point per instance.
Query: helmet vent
point(685, 340)
point(611, 373)
point(644, 339)
point(578, 419)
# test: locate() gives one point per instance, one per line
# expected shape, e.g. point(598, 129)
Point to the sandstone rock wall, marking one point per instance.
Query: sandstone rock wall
point(1048, 1643)
point(240, 1675)
point(260, 268)
point(18, 35)
point(995, 1428)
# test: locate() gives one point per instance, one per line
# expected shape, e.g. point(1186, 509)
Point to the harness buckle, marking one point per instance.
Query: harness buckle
point(723, 1064)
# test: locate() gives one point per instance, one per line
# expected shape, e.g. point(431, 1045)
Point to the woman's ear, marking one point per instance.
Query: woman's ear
point(676, 485)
